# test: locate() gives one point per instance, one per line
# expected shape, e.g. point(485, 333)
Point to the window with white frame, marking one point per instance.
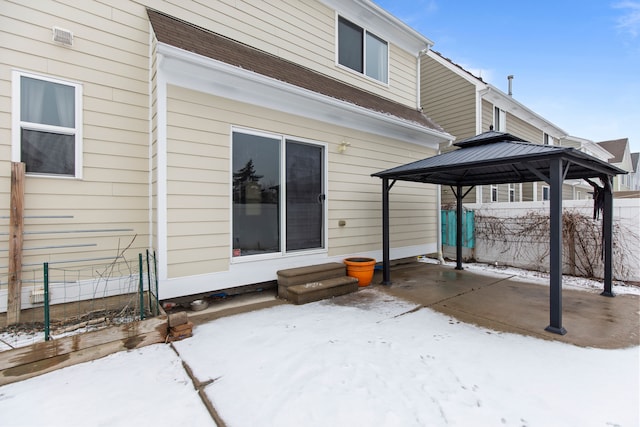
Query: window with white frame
point(512, 192)
point(494, 193)
point(47, 127)
point(362, 51)
point(547, 139)
point(545, 192)
point(499, 120)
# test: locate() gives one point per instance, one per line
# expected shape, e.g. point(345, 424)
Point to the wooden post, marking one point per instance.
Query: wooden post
point(16, 228)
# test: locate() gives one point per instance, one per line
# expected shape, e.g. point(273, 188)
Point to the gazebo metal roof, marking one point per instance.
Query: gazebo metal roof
point(499, 158)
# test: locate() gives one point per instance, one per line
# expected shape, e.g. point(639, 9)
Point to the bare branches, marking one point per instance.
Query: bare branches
point(527, 236)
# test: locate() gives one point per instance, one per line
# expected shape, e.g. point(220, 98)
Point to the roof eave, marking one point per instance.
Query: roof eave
point(194, 71)
point(377, 20)
point(509, 104)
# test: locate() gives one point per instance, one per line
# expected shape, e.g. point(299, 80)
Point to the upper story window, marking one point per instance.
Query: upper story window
point(362, 51)
point(494, 193)
point(547, 139)
point(47, 125)
point(499, 120)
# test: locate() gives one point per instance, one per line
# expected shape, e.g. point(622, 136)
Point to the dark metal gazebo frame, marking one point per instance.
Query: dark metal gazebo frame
point(501, 158)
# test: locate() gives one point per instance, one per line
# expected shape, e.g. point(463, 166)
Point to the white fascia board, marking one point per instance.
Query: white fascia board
point(381, 23)
point(202, 74)
point(593, 148)
point(507, 103)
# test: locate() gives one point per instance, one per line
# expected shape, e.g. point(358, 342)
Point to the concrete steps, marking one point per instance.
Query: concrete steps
point(315, 282)
point(315, 291)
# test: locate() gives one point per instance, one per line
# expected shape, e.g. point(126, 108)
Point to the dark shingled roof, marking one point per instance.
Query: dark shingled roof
point(201, 41)
point(498, 158)
point(615, 147)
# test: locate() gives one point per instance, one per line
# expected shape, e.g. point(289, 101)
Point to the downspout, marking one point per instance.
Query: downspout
point(439, 222)
point(438, 187)
point(418, 86)
point(439, 216)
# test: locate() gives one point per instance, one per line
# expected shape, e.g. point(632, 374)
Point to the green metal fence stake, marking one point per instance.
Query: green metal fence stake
point(149, 282)
point(141, 291)
point(47, 335)
point(155, 277)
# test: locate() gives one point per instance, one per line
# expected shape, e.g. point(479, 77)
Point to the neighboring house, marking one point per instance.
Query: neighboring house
point(635, 175)
point(233, 138)
point(464, 105)
point(580, 188)
point(619, 148)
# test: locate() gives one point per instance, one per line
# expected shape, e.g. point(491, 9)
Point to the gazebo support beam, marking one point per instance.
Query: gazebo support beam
point(555, 251)
point(459, 196)
point(386, 264)
point(607, 231)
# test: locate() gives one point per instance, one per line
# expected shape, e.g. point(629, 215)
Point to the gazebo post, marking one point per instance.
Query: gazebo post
point(555, 251)
point(607, 231)
point(459, 227)
point(386, 267)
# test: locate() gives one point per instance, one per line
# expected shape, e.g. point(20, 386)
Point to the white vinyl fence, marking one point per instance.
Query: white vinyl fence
point(517, 234)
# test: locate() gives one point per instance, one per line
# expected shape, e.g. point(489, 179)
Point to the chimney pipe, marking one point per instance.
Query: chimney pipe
point(510, 78)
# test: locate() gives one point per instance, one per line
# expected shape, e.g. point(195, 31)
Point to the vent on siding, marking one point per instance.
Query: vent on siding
point(63, 36)
point(37, 296)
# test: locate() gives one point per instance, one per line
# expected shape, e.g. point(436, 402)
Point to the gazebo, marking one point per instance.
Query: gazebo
point(500, 158)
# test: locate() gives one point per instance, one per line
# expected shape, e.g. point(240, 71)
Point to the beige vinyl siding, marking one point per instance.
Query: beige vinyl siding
point(109, 58)
point(487, 115)
point(567, 192)
point(199, 135)
point(448, 99)
point(569, 143)
point(527, 192)
point(522, 129)
point(303, 32)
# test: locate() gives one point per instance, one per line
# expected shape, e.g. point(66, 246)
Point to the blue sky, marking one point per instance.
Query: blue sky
point(575, 62)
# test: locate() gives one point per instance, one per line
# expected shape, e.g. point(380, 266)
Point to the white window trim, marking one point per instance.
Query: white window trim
point(282, 253)
point(364, 47)
point(17, 124)
point(502, 119)
point(494, 187)
point(512, 190)
point(548, 193)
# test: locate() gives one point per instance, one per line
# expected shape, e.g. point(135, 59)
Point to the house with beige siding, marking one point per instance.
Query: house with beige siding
point(465, 105)
point(635, 175)
point(580, 189)
point(621, 157)
point(233, 138)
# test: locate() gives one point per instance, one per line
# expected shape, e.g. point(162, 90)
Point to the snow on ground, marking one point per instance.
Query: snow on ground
point(539, 277)
point(381, 363)
point(144, 387)
point(365, 359)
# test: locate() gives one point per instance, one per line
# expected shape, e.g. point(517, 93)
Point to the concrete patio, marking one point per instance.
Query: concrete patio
point(502, 303)
point(509, 305)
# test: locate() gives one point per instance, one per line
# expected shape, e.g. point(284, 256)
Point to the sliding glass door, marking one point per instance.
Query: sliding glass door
point(261, 164)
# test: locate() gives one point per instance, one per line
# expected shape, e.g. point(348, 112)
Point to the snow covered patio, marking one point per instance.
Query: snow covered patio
point(369, 358)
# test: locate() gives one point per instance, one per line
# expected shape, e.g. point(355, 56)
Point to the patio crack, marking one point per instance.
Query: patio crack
point(469, 291)
point(199, 386)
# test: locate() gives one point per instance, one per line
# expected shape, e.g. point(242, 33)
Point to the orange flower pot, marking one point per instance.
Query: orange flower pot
point(361, 269)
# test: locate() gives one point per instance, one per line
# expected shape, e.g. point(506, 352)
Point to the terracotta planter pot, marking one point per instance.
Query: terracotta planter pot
point(361, 268)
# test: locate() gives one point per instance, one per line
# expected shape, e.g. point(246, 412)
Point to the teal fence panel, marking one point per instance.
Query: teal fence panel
point(449, 228)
